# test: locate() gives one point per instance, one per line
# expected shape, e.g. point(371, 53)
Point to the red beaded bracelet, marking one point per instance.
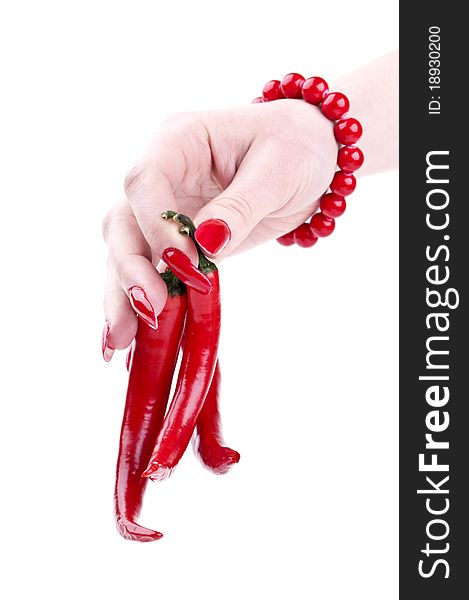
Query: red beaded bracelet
point(347, 132)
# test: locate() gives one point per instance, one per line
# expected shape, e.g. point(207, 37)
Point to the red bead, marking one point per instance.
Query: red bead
point(304, 236)
point(343, 183)
point(314, 90)
point(287, 240)
point(272, 91)
point(257, 100)
point(348, 131)
point(350, 158)
point(335, 105)
point(333, 205)
point(291, 85)
point(322, 225)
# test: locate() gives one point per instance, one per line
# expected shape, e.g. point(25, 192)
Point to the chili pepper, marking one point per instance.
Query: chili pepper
point(181, 265)
point(208, 443)
point(154, 359)
point(198, 363)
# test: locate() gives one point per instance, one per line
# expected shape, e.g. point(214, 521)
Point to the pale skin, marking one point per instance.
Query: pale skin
point(261, 168)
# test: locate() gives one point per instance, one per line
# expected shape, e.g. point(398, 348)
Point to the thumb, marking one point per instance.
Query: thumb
point(255, 192)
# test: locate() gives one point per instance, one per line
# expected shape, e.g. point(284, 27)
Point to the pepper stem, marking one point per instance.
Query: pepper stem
point(168, 214)
point(188, 228)
point(173, 283)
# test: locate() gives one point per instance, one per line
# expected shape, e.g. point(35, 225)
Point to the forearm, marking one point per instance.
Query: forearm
point(373, 92)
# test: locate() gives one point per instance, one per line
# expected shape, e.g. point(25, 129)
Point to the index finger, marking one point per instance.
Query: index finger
point(150, 188)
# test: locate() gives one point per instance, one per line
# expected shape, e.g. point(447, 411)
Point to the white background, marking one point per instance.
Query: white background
point(310, 367)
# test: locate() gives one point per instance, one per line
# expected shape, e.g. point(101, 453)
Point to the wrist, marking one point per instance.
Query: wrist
point(373, 93)
point(334, 107)
point(304, 128)
point(317, 133)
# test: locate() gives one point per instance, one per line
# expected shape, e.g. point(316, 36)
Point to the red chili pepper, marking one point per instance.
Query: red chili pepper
point(209, 446)
point(199, 359)
point(154, 359)
point(208, 443)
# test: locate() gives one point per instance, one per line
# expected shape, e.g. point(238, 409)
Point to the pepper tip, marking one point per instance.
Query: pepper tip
point(157, 472)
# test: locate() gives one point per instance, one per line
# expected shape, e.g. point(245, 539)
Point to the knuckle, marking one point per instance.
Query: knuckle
point(125, 266)
point(107, 223)
point(134, 178)
point(118, 213)
point(153, 235)
point(180, 129)
point(120, 267)
point(241, 206)
point(177, 120)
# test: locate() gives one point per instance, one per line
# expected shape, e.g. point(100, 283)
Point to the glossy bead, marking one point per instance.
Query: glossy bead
point(343, 183)
point(314, 90)
point(333, 205)
point(335, 105)
point(322, 225)
point(287, 240)
point(304, 236)
point(272, 91)
point(348, 131)
point(257, 100)
point(350, 158)
point(291, 85)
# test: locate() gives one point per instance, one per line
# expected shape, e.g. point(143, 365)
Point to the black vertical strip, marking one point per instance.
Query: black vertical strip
point(429, 256)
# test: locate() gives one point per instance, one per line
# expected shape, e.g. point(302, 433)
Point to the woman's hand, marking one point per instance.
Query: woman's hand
point(260, 169)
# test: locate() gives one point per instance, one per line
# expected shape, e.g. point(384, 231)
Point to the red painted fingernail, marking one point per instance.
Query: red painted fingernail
point(142, 306)
point(128, 359)
point(183, 268)
point(212, 236)
point(107, 352)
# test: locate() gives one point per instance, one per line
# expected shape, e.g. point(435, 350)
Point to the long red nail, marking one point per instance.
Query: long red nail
point(142, 306)
point(182, 267)
point(212, 236)
point(128, 359)
point(107, 352)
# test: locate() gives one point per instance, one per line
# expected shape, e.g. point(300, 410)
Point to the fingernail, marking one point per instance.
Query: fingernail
point(212, 236)
point(142, 306)
point(128, 359)
point(181, 265)
point(107, 352)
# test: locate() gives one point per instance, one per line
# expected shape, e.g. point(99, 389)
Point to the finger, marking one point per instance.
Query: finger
point(131, 259)
point(121, 322)
point(274, 226)
point(150, 186)
point(260, 187)
point(150, 189)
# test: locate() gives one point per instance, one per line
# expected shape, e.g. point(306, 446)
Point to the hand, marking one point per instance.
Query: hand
point(260, 169)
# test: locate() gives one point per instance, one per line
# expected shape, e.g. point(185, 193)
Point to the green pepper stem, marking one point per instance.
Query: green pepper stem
point(168, 214)
point(187, 225)
point(173, 283)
